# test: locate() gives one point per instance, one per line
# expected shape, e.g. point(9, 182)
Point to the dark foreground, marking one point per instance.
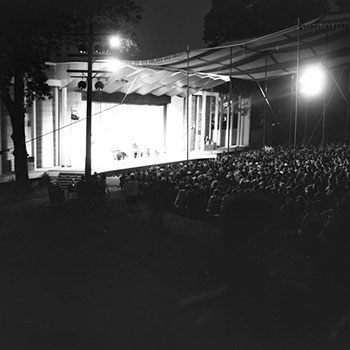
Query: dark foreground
point(105, 279)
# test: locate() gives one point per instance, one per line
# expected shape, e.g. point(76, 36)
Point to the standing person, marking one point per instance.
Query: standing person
point(131, 189)
point(214, 203)
point(180, 200)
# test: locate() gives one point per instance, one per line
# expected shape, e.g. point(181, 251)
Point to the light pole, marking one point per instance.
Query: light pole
point(89, 104)
point(114, 42)
point(305, 123)
point(312, 83)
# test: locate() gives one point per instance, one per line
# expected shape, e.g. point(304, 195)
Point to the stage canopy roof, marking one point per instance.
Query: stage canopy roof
point(325, 39)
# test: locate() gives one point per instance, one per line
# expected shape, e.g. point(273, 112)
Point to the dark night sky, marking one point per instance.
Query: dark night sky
point(167, 26)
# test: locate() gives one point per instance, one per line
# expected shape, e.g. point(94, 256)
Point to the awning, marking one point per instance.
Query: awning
point(325, 39)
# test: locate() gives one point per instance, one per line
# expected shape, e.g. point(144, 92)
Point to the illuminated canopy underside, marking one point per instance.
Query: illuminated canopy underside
point(326, 40)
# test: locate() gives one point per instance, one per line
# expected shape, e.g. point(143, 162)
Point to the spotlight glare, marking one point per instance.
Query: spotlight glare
point(113, 65)
point(312, 80)
point(115, 41)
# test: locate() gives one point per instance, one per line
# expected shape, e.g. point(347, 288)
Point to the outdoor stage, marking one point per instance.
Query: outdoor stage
point(132, 163)
point(127, 163)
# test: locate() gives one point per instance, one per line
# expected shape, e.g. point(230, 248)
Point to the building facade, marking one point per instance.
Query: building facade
point(125, 126)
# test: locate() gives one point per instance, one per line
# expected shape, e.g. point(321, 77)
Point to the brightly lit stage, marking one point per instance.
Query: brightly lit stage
point(164, 159)
point(141, 162)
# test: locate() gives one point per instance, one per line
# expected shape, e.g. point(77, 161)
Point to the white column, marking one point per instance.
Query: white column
point(203, 121)
point(239, 123)
point(210, 133)
point(220, 121)
point(227, 127)
point(246, 104)
point(184, 126)
point(56, 127)
point(190, 102)
point(63, 133)
point(216, 120)
point(196, 135)
point(34, 140)
point(231, 112)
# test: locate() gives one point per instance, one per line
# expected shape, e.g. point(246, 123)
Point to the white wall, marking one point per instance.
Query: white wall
point(176, 131)
point(44, 133)
point(118, 127)
point(246, 106)
point(73, 135)
point(113, 127)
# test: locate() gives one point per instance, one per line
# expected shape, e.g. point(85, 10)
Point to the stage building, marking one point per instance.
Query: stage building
point(140, 116)
point(170, 108)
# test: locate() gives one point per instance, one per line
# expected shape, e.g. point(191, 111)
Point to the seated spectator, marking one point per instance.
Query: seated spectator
point(131, 188)
point(191, 201)
point(214, 203)
point(180, 200)
point(227, 197)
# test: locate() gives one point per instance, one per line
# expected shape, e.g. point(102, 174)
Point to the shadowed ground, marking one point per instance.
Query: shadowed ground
point(102, 278)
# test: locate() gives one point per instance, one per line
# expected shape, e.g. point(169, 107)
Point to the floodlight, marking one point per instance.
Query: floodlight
point(83, 49)
point(82, 85)
point(312, 80)
point(99, 85)
point(115, 41)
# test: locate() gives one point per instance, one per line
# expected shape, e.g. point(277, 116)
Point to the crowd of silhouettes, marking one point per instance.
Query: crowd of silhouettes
point(307, 190)
point(306, 184)
point(284, 218)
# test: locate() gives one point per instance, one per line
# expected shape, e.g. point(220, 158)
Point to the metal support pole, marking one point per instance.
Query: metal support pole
point(323, 119)
point(265, 109)
point(89, 104)
point(230, 108)
point(324, 100)
point(187, 106)
point(291, 114)
point(297, 89)
point(347, 111)
point(165, 127)
point(34, 140)
point(305, 125)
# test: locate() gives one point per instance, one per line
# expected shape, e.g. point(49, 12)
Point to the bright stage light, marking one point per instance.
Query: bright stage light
point(312, 80)
point(115, 41)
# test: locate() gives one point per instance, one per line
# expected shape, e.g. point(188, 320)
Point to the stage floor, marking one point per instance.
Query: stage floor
point(130, 163)
point(127, 163)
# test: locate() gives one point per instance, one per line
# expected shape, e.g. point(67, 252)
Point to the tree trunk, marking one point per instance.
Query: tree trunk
point(15, 107)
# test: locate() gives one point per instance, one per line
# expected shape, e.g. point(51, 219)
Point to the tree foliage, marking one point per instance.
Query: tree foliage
point(344, 5)
point(33, 32)
point(230, 20)
point(44, 29)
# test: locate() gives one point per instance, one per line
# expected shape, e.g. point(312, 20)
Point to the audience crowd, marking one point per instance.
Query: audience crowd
point(306, 184)
point(284, 216)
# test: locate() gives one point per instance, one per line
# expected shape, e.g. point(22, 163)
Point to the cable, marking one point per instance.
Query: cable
point(77, 121)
